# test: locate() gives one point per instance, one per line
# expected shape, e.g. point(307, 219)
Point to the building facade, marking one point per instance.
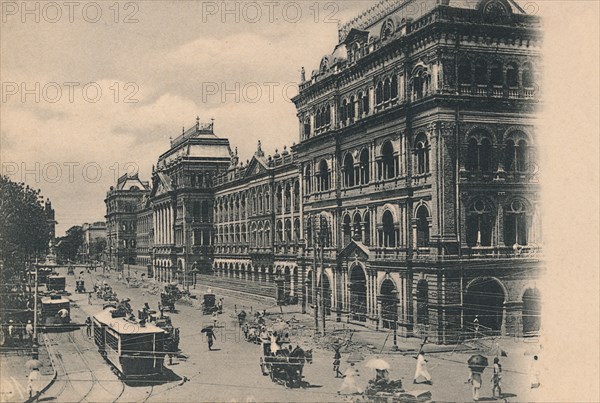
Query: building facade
point(411, 200)
point(182, 203)
point(121, 219)
point(92, 234)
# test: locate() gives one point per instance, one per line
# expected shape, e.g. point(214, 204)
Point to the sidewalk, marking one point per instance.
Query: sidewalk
point(14, 375)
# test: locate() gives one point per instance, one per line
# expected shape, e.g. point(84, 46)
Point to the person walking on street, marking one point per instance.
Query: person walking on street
point(421, 369)
point(476, 325)
point(350, 380)
point(475, 381)
point(89, 298)
point(29, 331)
point(497, 378)
point(336, 362)
point(88, 327)
point(210, 336)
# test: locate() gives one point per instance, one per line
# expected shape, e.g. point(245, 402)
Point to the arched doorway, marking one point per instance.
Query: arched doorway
point(389, 304)
point(326, 290)
point(532, 311)
point(358, 294)
point(484, 298)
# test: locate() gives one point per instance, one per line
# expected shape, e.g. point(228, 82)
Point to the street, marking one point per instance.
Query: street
point(231, 371)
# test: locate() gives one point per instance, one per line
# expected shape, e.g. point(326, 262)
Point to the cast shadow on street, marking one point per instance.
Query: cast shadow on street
point(166, 377)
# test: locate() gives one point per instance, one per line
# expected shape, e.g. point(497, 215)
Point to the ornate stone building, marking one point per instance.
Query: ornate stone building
point(182, 202)
point(411, 200)
point(418, 146)
point(121, 219)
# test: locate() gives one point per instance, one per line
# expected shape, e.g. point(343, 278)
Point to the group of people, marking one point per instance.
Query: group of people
point(14, 334)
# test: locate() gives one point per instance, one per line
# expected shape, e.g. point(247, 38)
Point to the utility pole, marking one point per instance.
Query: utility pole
point(314, 274)
point(35, 302)
point(323, 233)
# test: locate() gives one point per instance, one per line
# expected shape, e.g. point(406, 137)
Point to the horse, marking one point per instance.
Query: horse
point(298, 357)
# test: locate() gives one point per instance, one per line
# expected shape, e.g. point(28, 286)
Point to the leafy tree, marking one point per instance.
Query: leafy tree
point(67, 246)
point(24, 234)
point(97, 248)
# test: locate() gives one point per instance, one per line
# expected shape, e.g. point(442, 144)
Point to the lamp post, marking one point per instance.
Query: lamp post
point(395, 301)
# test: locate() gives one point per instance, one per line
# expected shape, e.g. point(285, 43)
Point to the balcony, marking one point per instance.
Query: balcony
point(392, 253)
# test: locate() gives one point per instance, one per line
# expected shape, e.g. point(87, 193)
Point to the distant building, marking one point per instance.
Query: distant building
point(121, 219)
point(144, 231)
point(91, 234)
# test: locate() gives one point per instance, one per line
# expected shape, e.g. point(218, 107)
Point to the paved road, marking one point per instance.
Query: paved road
point(231, 372)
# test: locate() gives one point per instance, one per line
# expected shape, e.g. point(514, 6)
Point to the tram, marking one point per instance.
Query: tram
point(133, 349)
point(56, 283)
point(55, 311)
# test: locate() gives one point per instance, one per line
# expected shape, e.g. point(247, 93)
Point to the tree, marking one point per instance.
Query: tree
point(97, 248)
point(68, 245)
point(24, 234)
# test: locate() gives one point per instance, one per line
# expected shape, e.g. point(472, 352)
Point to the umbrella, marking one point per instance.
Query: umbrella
point(377, 363)
point(207, 329)
point(32, 364)
point(477, 363)
point(355, 357)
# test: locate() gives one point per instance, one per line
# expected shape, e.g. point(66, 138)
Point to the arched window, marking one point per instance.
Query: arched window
point(318, 122)
point(379, 93)
point(288, 197)
point(366, 102)
point(347, 229)
point(267, 234)
point(364, 167)
point(351, 113)
point(323, 176)
point(387, 30)
point(479, 222)
point(357, 227)
point(360, 104)
point(260, 239)
point(479, 155)
point(527, 77)
point(422, 154)
point(386, 90)
point(516, 156)
point(388, 163)
point(306, 129)
point(516, 223)
point(394, 87)
point(244, 240)
point(288, 230)
point(481, 73)
point(278, 196)
point(267, 205)
point(464, 72)
point(327, 115)
point(422, 227)
point(279, 231)
point(308, 180)
point(348, 170)
point(367, 225)
point(296, 196)
point(260, 202)
point(496, 76)
point(512, 79)
point(296, 230)
point(344, 111)
point(389, 232)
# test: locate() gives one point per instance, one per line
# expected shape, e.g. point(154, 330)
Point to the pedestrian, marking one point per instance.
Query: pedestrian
point(160, 309)
point(475, 381)
point(497, 378)
point(89, 298)
point(350, 380)
point(336, 362)
point(29, 331)
point(88, 327)
point(421, 369)
point(210, 335)
point(33, 383)
point(476, 325)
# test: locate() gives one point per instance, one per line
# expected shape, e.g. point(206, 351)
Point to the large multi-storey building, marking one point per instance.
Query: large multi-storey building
point(410, 201)
point(182, 202)
point(417, 137)
point(121, 219)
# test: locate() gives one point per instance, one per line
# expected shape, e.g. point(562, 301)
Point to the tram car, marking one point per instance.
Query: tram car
point(132, 349)
point(43, 274)
point(56, 283)
point(56, 311)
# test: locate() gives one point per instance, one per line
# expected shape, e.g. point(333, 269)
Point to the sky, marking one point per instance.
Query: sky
point(91, 90)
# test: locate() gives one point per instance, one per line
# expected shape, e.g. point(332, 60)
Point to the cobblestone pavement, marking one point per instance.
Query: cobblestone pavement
point(231, 372)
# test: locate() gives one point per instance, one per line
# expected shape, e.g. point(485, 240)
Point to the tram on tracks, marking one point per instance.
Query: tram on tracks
point(55, 312)
point(135, 350)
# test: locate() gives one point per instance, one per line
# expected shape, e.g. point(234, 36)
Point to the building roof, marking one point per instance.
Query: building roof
point(131, 182)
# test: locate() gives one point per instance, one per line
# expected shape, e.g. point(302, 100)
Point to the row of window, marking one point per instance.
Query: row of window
point(495, 74)
point(480, 155)
point(260, 235)
point(234, 210)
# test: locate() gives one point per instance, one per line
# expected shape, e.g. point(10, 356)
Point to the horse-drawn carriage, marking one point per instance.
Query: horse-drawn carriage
point(106, 293)
point(283, 363)
point(170, 296)
point(209, 305)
